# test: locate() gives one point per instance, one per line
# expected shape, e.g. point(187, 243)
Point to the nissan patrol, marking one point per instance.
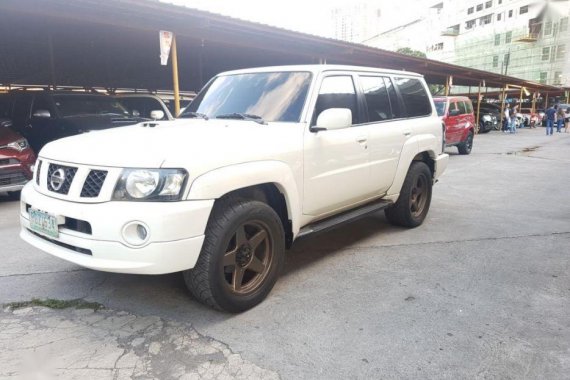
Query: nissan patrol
point(260, 158)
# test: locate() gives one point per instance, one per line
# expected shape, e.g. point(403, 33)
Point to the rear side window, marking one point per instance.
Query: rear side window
point(462, 109)
point(415, 97)
point(337, 92)
point(469, 106)
point(377, 100)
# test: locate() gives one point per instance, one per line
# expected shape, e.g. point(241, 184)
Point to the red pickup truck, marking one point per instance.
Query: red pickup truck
point(16, 159)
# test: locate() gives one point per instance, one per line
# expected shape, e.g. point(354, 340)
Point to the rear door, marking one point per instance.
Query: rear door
point(388, 130)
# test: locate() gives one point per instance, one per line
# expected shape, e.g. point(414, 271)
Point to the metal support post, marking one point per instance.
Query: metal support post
point(478, 107)
point(503, 106)
point(175, 77)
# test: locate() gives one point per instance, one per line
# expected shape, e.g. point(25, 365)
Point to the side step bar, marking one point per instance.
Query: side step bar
point(342, 218)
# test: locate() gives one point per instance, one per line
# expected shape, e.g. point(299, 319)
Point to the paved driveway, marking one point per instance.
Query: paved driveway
point(481, 290)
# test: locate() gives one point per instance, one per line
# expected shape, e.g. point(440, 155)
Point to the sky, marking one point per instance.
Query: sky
point(308, 16)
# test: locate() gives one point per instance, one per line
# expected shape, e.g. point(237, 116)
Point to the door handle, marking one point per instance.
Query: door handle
point(407, 133)
point(361, 140)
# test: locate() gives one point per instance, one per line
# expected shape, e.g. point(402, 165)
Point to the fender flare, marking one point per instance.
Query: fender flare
point(409, 151)
point(216, 183)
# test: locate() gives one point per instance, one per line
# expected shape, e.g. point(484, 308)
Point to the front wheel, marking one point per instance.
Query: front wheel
point(241, 257)
point(415, 197)
point(466, 146)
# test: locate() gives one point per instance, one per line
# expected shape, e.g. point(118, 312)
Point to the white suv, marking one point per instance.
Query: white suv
point(260, 158)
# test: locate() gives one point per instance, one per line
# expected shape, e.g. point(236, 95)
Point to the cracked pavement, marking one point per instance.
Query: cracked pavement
point(105, 344)
point(480, 290)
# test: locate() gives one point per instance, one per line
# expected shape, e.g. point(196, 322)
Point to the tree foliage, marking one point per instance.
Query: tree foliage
point(412, 52)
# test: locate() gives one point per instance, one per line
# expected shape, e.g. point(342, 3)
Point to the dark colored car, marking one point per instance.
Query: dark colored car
point(144, 105)
point(44, 116)
point(16, 159)
point(489, 117)
point(456, 112)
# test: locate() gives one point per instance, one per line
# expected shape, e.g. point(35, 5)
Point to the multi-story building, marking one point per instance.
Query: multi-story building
point(356, 22)
point(522, 38)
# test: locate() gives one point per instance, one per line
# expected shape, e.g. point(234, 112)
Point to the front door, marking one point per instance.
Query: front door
point(336, 162)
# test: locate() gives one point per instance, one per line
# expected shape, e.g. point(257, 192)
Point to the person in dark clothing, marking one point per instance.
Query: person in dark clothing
point(550, 119)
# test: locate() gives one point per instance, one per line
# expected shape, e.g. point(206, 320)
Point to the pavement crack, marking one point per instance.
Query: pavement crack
point(40, 273)
point(462, 240)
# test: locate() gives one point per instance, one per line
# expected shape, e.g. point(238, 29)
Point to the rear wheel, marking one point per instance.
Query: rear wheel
point(466, 146)
point(415, 197)
point(241, 257)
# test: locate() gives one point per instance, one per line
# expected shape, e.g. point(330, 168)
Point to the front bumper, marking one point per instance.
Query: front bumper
point(176, 233)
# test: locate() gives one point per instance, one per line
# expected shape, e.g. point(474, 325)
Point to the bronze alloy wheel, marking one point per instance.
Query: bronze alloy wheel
point(248, 258)
point(418, 195)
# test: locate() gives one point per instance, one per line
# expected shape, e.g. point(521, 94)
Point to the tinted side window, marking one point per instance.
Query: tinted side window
point(377, 100)
point(394, 101)
point(21, 112)
point(462, 109)
point(337, 92)
point(414, 96)
point(469, 107)
point(42, 103)
point(5, 103)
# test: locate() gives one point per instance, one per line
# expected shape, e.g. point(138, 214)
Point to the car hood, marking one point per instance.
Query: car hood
point(7, 136)
point(193, 144)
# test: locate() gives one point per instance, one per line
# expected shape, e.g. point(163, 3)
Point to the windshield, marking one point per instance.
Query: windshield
point(76, 105)
point(278, 96)
point(440, 108)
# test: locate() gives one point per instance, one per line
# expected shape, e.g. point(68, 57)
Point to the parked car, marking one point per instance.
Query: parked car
point(16, 159)
point(527, 118)
point(456, 112)
point(144, 105)
point(220, 193)
point(489, 117)
point(43, 116)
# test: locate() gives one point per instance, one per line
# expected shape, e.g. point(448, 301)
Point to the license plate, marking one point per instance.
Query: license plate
point(43, 223)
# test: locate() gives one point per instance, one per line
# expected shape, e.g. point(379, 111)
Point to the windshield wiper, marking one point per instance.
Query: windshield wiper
point(192, 115)
point(242, 116)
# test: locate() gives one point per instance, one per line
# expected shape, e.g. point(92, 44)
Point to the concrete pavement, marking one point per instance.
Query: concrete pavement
point(481, 290)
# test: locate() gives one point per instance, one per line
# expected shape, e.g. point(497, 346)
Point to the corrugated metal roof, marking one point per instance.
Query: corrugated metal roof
point(208, 43)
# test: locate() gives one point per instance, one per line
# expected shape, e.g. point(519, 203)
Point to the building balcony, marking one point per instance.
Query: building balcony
point(531, 37)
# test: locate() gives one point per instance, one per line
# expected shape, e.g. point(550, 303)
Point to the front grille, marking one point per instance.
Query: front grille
point(18, 178)
point(93, 184)
point(69, 173)
point(9, 161)
point(38, 172)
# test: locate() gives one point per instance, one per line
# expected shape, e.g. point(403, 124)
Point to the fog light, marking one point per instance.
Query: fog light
point(136, 233)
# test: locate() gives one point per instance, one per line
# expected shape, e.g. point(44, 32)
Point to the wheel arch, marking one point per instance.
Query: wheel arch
point(271, 182)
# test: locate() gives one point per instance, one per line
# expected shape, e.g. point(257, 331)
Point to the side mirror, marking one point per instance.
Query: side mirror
point(334, 118)
point(42, 114)
point(453, 112)
point(156, 115)
point(5, 123)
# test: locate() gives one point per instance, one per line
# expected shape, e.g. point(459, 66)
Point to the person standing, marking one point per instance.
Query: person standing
point(507, 118)
point(550, 118)
point(560, 115)
point(513, 126)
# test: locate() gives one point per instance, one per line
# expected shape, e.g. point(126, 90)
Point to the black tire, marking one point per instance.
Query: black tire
point(466, 146)
point(405, 212)
point(213, 280)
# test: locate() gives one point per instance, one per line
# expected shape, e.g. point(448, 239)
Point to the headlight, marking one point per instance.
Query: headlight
point(150, 185)
point(19, 145)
